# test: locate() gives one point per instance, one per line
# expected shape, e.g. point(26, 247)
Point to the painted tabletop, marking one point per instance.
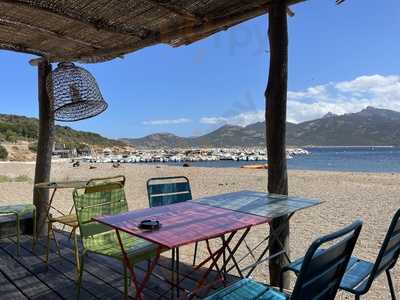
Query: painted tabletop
point(61, 184)
point(183, 223)
point(257, 203)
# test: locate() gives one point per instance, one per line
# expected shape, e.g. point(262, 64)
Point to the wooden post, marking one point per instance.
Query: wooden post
point(45, 145)
point(275, 115)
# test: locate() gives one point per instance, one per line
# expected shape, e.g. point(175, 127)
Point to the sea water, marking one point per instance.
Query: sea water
point(351, 159)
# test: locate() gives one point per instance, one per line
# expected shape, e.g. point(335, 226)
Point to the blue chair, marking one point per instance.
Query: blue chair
point(170, 190)
point(319, 276)
point(360, 274)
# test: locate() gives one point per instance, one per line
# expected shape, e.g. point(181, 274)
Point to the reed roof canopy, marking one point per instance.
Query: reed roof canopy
point(99, 30)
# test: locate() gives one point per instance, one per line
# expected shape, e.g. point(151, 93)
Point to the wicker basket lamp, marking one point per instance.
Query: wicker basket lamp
point(74, 93)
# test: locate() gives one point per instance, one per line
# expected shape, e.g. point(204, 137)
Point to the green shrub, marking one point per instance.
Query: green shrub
point(4, 178)
point(33, 147)
point(3, 153)
point(22, 178)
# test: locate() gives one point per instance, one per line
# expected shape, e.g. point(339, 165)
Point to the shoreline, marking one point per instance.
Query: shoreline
point(316, 147)
point(194, 166)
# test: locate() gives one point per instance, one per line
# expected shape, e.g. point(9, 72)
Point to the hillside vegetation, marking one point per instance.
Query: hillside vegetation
point(15, 128)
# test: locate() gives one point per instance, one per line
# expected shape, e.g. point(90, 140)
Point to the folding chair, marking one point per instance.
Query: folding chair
point(360, 274)
point(319, 276)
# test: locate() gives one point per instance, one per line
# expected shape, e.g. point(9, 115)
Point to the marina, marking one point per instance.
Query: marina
point(185, 155)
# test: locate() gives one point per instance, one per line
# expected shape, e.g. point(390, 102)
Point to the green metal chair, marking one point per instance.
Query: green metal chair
point(360, 274)
point(318, 279)
point(19, 211)
point(106, 199)
point(71, 220)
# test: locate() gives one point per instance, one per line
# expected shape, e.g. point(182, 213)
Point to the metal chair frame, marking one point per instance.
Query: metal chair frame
point(16, 213)
point(319, 276)
point(388, 254)
point(71, 220)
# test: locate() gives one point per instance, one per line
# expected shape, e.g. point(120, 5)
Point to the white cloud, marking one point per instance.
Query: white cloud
point(241, 119)
point(372, 83)
point(339, 98)
point(167, 122)
point(345, 97)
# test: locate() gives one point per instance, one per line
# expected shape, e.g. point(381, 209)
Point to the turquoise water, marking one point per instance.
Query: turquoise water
point(353, 159)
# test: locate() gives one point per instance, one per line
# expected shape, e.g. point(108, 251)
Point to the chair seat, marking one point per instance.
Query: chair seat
point(355, 278)
point(247, 289)
point(69, 220)
point(19, 209)
point(107, 244)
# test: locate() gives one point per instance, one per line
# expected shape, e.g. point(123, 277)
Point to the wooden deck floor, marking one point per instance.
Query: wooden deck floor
point(28, 276)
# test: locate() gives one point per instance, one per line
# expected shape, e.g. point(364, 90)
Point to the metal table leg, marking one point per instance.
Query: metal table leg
point(261, 258)
point(40, 227)
point(138, 286)
point(216, 256)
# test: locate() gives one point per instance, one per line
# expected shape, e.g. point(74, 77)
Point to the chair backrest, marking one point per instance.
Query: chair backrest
point(322, 271)
point(97, 200)
point(96, 181)
point(168, 190)
point(390, 250)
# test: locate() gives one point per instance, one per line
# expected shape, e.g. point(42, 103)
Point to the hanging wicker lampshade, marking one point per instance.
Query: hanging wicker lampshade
point(74, 93)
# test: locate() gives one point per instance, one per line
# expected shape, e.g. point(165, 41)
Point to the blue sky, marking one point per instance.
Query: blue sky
point(341, 59)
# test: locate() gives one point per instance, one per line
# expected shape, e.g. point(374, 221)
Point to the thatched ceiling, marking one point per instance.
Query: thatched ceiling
point(96, 30)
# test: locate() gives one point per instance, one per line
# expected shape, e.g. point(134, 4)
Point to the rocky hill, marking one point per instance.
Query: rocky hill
point(369, 127)
point(18, 128)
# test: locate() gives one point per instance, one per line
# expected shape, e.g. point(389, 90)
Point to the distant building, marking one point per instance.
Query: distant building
point(62, 152)
point(84, 151)
point(107, 152)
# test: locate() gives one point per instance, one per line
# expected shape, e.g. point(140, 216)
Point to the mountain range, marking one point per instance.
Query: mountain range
point(369, 127)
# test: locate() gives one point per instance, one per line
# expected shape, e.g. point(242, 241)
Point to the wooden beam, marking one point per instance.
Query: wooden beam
point(180, 11)
point(189, 31)
point(276, 99)
point(45, 144)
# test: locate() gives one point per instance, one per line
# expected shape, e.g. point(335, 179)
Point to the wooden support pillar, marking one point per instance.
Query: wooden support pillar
point(45, 144)
point(276, 97)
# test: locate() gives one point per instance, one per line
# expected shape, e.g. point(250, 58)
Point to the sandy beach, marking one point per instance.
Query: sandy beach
point(372, 197)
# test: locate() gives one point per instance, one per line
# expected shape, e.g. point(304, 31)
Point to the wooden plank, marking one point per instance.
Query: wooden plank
point(110, 270)
point(92, 286)
point(55, 280)
point(163, 268)
point(186, 269)
point(8, 290)
point(23, 278)
point(99, 267)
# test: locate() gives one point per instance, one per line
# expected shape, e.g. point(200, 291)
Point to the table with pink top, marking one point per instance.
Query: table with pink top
point(182, 224)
